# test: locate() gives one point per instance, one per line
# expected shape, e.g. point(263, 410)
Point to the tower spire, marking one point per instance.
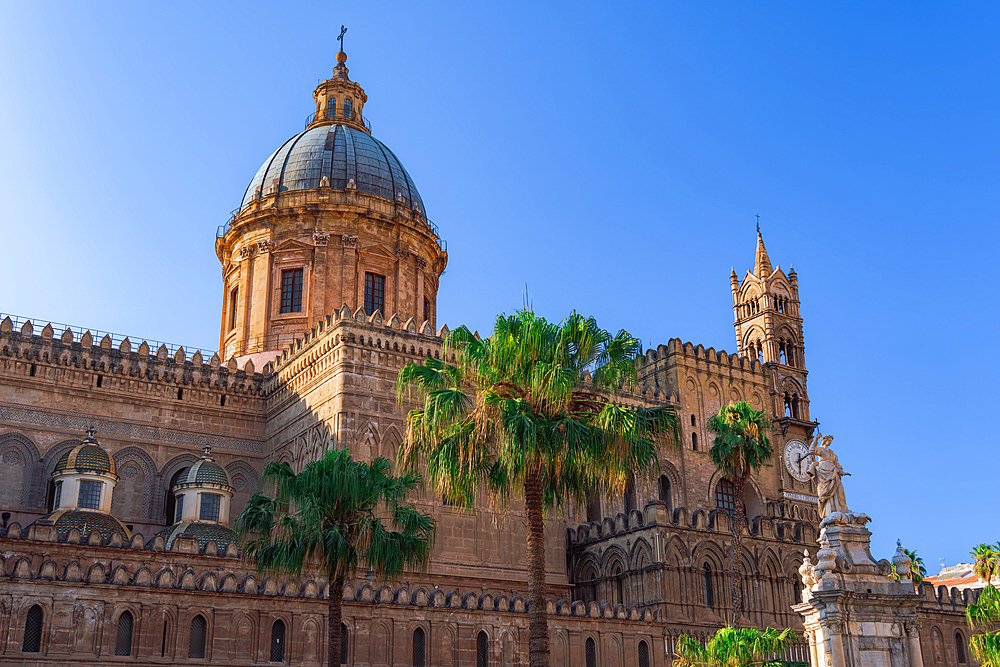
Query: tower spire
point(762, 263)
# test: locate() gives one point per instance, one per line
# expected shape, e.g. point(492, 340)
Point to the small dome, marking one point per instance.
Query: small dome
point(88, 456)
point(205, 471)
point(341, 153)
point(87, 521)
point(203, 532)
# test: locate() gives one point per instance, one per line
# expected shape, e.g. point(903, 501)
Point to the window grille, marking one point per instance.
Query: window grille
point(210, 503)
point(348, 109)
point(374, 293)
point(643, 654)
point(58, 498)
point(291, 291)
point(90, 494)
point(278, 641)
point(344, 636)
point(123, 643)
point(591, 651)
point(179, 511)
point(196, 644)
point(331, 108)
point(32, 642)
point(418, 647)
point(482, 650)
point(725, 495)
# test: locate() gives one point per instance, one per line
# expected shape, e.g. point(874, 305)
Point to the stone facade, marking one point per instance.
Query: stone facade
point(626, 575)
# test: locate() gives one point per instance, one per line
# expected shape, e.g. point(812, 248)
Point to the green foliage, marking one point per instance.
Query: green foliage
point(741, 446)
point(330, 514)
point(735, 647)
point(515, 404)
point(984, 613)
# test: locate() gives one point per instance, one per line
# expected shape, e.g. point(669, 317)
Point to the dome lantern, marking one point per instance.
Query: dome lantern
point(203, 492)
point(340, 100)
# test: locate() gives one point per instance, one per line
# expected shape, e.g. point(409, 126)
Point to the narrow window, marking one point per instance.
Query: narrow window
point(123, 643)
point(170, 504)
point(694, 441)
point(725, 496)
point(291, 291)
point(210, 503)
point(233, 300)
point(630, 501)
point(278, 641)
point(619, 588)
point(643, 654)
point(344, 636)
point(788, 406)
point(179, 509)
point(693, 422)
point(665, 490)
point(331, 108)
point(418, 647)
point(594, 508)
point(960, 647)
point(348, 109)
point(222, 401)
point(58, 496)
point(180, 394)
point(795, 406)
point(427, 309)
point(31, 371)
point(100, 381)
point(32, 642)
point(90, 495)
point(196, 644)
point(374, 293)
point(163, 643)
point(482, 649)
point(591, 652)
point(709, 593)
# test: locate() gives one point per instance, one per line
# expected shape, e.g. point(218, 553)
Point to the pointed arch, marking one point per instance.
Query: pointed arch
point(20, 473)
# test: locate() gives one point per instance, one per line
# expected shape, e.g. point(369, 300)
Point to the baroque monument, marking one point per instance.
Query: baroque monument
point(125, 462)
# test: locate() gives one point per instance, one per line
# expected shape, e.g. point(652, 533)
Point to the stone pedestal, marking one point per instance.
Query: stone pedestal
point(855, 614)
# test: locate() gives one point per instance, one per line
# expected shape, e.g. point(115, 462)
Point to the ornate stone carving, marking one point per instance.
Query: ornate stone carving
point(246, 252)
point(263, 246)
point(351, 185)
point(901, 563)
point(349, 241)
point(321, 238)
point(808, 573)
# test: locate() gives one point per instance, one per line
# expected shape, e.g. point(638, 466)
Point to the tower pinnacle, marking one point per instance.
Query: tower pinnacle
point(762, 263)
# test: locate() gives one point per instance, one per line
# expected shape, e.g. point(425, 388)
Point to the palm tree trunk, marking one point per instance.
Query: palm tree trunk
point(738, 521)
point(538, 622)
point(334, 615)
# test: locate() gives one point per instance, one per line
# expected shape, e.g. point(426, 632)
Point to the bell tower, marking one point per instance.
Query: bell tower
point(768, 325)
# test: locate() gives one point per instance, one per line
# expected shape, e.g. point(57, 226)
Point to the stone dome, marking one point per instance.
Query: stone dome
point(87, 521)
point(205, 471)
point(340, 153)
point(203, 532)
point(88, 456)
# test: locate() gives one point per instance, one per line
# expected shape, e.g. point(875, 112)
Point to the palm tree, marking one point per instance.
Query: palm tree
point(514, 411)
point(740, 449)
point(984, 613)
point(328, 515)
point(734, 647)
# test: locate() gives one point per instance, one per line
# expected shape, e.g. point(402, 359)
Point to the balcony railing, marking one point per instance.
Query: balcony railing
point(353, 117)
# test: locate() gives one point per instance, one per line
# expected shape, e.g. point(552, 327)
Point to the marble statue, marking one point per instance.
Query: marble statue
point(825, 468)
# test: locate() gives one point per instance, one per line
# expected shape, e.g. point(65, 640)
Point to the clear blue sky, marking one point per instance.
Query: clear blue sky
point(611, 160)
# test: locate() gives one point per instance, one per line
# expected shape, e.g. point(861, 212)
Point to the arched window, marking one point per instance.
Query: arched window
point(32, 642)
point(123, 642)
point(788, 405)
point(619, 587)
point(665, 491)
point(348, 109)
point(795, 406)
point(331, 107)
point(482, 649)
point(694, 441)
point(418, 647)
point(725, 495)
point(960, 647)
point(591, 652)
point(707, 580)
point(643, 654)
point(630, 494)
point(344, 637)
point(170, 506)
point(196, 643)
point(278, 641)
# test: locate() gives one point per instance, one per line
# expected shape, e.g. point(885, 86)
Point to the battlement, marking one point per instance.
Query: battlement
point(689, 350)
point(717, 521)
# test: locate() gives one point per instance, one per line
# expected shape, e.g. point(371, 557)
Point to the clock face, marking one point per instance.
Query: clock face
point(797, 459)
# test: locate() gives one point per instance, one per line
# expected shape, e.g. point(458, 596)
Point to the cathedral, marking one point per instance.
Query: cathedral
point(126, 462)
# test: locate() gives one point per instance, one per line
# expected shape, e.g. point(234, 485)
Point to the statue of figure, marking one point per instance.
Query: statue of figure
point(827, 471)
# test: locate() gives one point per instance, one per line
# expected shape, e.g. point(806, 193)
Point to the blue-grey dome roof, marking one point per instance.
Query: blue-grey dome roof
point(340, 153)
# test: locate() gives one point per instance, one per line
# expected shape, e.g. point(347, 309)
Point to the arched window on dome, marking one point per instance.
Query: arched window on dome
point(331, 107)
point(348, 109)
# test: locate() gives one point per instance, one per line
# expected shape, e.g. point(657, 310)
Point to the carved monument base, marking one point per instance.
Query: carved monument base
point(855, 614)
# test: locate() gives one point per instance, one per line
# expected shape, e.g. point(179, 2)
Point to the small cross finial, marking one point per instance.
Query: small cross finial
point(758, 223)
point(90, 435)
point(341, 37)
point(206, 452)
